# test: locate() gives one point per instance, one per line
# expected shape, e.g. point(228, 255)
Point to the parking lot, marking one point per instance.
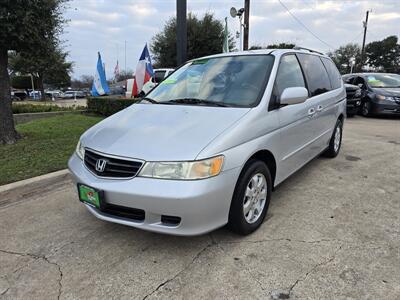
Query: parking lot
point(332, 232)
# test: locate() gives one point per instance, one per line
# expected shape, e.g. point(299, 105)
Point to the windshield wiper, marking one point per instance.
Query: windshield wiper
point(195, 101)
point(149, 100)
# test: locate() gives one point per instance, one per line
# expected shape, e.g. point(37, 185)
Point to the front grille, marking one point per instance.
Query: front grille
point(114, 167)
point(123, 212)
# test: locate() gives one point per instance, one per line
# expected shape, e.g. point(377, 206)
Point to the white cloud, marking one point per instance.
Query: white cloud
point(104, 25)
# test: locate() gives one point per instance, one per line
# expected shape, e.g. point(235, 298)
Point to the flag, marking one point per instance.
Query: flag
point(144, 72)
point(225, 47)
point(100, 86)
point(116, 71)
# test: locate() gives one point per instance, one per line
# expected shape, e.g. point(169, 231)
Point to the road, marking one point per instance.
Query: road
point(332, 232)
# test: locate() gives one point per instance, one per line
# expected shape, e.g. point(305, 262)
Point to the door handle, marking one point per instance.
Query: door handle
point(311, 111)
point(319, 108)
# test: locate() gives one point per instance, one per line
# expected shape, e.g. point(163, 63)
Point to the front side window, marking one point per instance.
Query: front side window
point(224, 81)
point(289, 75)
point(317, 77)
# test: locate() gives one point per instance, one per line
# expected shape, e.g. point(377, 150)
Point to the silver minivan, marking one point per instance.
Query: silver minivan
point(207, 146)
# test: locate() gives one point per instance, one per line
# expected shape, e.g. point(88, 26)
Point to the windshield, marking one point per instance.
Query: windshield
point(223, 81)
point(384, 80)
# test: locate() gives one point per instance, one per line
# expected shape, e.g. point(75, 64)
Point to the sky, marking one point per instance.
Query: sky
point(106, 25)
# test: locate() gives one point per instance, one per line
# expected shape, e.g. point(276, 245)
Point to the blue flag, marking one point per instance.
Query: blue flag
point(100, 86)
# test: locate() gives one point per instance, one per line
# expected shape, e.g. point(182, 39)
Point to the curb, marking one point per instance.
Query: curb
point(35, 182)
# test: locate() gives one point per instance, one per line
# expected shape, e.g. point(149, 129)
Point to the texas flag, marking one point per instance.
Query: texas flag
point(144, 72)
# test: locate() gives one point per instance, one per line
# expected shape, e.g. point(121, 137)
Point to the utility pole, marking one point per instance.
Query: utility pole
point(181, 32)
point(246, 24)
point(365, 24)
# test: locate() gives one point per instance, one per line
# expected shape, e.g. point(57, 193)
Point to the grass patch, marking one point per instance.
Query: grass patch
point(45, 147)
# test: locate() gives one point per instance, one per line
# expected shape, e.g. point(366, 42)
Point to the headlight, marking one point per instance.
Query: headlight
point(80, 151)
point(388, 98)
point(185, 170)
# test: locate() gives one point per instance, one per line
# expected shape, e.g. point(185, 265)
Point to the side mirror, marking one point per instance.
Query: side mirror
point(360, 85)
point(294, 95)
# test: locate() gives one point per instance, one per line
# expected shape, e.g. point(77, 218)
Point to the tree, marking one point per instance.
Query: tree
point(25, 26)
point(124, 75)
point(48, 64)
point(85, 82)
point(342, 57)
point(274, 46)
point(205, 37)
point(384, 55)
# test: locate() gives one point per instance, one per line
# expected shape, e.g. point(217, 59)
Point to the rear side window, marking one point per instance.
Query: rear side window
point(317, 77)
point(333, 73)
point(289, 74)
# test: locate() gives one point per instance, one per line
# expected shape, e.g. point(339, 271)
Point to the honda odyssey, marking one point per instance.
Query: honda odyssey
point(208, 145)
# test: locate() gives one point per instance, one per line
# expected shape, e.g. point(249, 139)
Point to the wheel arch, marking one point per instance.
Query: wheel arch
point(268, 158)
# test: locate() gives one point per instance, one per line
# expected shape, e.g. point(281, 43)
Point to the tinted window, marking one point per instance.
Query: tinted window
point(333, 73)
point(159, 76)
point(317, 77)
point(289, 74)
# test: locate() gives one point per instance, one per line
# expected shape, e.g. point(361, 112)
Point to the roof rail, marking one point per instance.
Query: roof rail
point(311, 50)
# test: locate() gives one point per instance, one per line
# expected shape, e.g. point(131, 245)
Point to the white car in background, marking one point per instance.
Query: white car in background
point(159, 75)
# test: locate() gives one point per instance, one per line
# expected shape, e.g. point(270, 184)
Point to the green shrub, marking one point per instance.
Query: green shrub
point(107, 106)
point(35, 108)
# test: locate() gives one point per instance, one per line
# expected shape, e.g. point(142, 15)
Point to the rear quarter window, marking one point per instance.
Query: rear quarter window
point(333, 73)
point(317, 78)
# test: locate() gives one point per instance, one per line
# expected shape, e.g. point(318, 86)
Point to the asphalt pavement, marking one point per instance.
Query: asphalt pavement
point(332, 232)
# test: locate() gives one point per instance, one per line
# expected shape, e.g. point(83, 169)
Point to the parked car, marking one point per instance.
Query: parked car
point(159, 75)
point(54, 94)
point(353, 95)
point(190, 158)
point(380, 92)
point(73, 94)
point(35, 95)
point(22, 95)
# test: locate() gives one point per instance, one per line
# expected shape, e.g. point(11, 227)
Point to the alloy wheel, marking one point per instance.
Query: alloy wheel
point(255, 198)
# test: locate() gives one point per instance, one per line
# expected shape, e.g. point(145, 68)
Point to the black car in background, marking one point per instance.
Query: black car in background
point(380, 92)
point(353, 95)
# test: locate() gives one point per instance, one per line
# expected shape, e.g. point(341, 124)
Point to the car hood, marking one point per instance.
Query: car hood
point(394, 92)
point(155, 132)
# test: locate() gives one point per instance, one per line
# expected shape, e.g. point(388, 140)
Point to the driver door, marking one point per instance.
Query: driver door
point(296, 129)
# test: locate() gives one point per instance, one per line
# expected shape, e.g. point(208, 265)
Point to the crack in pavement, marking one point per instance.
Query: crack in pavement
point(198, 254)
point(282, 239)
point(304, 277)
point(44, 258)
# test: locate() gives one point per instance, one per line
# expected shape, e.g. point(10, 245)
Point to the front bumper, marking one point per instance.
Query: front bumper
point(202, 205)
point(387, 108)
point(353, 106)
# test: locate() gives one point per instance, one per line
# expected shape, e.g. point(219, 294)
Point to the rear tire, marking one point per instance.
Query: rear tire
point(336, 141)
point(251, 198)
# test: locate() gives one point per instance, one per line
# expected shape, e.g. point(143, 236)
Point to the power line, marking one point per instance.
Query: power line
point(304, 26)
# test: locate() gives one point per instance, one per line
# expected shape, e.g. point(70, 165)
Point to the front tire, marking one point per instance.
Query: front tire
point(336, 141)
point(251, 198)
point(366, 109)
